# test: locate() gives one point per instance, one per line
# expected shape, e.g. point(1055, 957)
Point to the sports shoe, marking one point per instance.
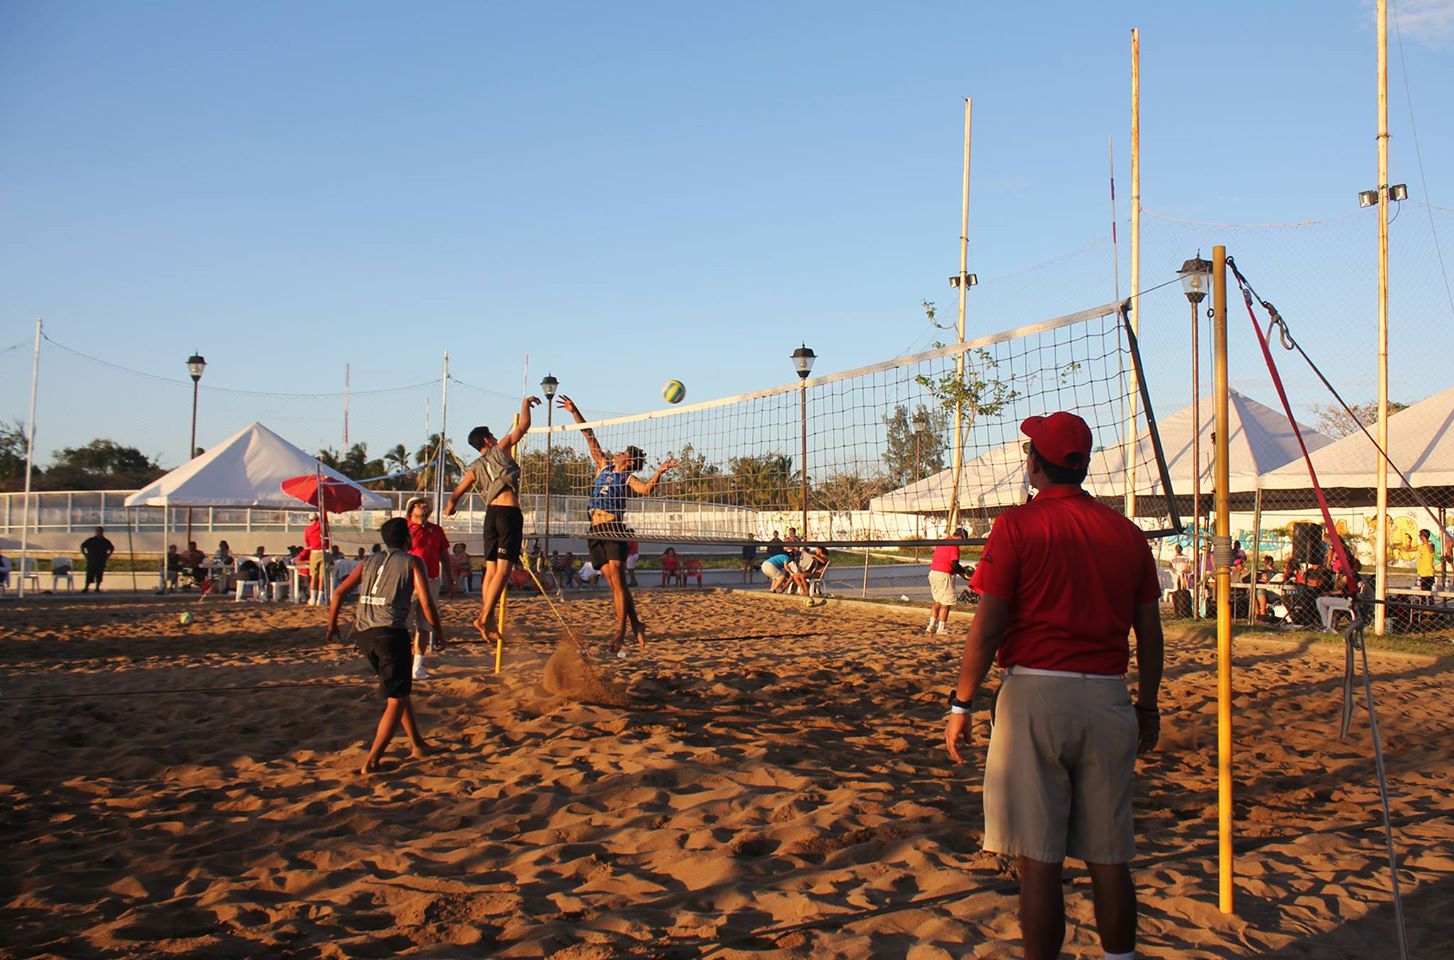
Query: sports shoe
point(419, 672)
point(930, 627)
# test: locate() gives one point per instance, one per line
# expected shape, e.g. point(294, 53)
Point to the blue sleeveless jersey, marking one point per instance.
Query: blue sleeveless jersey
point(608, 492)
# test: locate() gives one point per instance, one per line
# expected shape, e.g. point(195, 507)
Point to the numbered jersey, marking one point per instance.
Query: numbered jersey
point(385, 590)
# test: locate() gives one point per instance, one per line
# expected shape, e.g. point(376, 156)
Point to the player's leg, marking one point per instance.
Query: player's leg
point(1115, 899)
point(388, 723)
point(1042, 909)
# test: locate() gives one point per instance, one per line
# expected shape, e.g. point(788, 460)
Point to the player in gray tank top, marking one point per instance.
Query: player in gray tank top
point(388, 581)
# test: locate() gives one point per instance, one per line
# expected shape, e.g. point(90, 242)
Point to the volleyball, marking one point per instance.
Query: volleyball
point(185, 618)
point(673, 391)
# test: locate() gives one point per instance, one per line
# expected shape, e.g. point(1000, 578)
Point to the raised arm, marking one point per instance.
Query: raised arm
point(597, 454)
point(462, 488)
point(522, 425)
point(644, 487)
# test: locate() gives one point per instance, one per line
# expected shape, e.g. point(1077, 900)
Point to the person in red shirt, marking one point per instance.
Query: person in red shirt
point(1062, 582)
point(943, 568)
point(312, 555)
point(430, 545)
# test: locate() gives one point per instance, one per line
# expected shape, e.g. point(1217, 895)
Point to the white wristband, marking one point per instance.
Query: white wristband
point(958, 710)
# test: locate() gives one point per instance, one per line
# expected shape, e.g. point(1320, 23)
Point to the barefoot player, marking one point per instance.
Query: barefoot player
point(608, 533)
point(390, 579)
point(497, 475)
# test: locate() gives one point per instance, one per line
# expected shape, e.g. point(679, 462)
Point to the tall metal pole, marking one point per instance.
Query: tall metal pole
point(549, 437)
point(192, 448)
point(345, 407)
point(1135, 265)
point(953, 519)
point(1196, 456)
point(803, 387)
point(29, 457)
point(1381, 539)
point(443, 426)
point(1222, 556)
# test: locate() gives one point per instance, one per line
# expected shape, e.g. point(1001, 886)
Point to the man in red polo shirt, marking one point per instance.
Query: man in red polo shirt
point(1063, 580)
point(432, 546)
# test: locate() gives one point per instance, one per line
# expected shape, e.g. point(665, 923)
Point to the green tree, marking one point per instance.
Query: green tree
point(570, 472)
point(915, 444)
point(101, 465)
point(763, 482)
point(12, 456)
point(1334, 421)
point(848, 491)
point(427, 456)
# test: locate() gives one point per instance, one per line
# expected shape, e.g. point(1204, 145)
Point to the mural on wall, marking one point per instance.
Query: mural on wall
point(1357, 531)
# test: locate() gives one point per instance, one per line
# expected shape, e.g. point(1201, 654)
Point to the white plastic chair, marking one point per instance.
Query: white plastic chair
point(66, 574)
point(30, 572)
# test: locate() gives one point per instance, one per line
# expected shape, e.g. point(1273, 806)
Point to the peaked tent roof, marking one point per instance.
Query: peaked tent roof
point(245, 470)
point(1420, 442)
point(1260, 441)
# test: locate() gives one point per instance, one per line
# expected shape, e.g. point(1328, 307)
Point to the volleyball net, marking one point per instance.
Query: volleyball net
point(896, 453)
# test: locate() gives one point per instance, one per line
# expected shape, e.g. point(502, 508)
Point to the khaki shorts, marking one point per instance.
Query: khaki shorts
point(417, 623)
point(1058, 779)
point(941, 587)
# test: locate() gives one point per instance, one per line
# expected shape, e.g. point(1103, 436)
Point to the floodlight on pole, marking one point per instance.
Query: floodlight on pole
point(195, 365)
point(548, 386)
point(803, 363)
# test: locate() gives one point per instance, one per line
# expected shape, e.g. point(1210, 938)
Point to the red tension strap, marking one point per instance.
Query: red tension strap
point(1339, 550)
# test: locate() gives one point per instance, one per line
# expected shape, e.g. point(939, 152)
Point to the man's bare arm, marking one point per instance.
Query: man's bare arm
point(349, 584)
point(522, 424)
point(1150, 659)
point(643, 488)
point(462, 488)
point(426, 599)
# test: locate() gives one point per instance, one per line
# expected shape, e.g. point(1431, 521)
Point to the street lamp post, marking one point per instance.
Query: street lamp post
point(1196, 280)
point(548, 387)
point(195, 365)
point(803, 362)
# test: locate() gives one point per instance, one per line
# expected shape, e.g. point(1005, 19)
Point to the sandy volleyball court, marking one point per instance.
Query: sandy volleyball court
point(777, 786)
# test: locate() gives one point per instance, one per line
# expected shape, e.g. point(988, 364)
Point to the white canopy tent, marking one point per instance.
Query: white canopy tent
point(246, 470)
point(1260, 441)
point(1420, 443)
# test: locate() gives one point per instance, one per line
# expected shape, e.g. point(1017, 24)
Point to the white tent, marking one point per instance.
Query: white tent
point(245, 470)
point(1259, 438)
point(1420, 442)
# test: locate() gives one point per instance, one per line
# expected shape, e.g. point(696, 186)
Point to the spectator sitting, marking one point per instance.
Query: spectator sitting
point(669, 566)
point(1340, 596)
point(587, 576)
point(224, 552)
point(459, 563)
point(173, 568)
point(4, 570)
point(192, 561)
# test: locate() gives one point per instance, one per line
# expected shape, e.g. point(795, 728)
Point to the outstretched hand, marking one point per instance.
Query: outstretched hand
point(668, 463)
point(566, 404)
point(529, 402)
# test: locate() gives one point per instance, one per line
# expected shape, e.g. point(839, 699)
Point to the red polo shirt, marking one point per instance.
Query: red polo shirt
point(429, 542)
point(1073, 571)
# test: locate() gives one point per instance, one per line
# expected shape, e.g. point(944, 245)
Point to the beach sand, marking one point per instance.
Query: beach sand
point(776, 786)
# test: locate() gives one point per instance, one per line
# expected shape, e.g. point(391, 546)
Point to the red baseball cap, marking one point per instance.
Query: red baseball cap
point(1062, 438)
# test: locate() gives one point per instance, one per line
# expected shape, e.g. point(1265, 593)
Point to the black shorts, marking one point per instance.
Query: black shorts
point(504, 533)
point(603, 551)
point(388, 652)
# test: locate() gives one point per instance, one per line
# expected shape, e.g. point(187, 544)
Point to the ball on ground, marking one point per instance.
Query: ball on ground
point(185, 618)
point(673, 391)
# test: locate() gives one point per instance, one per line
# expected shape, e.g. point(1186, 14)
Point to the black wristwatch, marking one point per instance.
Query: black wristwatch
point(954, 700)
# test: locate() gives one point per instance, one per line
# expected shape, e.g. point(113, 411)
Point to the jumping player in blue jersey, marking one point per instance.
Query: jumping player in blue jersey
point(608, 534)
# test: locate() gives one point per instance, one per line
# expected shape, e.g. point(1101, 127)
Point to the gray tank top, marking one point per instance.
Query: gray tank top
point(384, 591)
point(495, 472)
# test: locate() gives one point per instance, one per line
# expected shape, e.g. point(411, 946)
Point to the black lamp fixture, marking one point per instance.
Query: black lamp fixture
point(548, 386)
point(1196, 278)
point(195, 365)
point(803, 361)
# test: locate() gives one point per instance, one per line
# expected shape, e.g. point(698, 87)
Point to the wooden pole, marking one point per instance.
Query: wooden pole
point(1222, 556)
point(953, 516)
point(1135, 264)
point(1381, 545)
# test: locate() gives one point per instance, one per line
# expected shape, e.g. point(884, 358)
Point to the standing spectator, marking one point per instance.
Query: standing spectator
point(314, 556)
point(749, 560)
point(633, 557)
point(943, 568)
point(791, 544)
point(432, 547)
point(1181, 569)
point(459, 564)
point(97, 550)
point(774, 545)
point(1063, 580)
point(1424, 561)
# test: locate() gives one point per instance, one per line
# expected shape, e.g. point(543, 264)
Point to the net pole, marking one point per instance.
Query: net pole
point(443, 426)
point(1222, 554)
point(1381, 545)
point(963, 284)
point(1130, 438)
point(1256, 556)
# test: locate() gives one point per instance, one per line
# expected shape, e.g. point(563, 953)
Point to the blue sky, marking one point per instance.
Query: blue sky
point(633, 192)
